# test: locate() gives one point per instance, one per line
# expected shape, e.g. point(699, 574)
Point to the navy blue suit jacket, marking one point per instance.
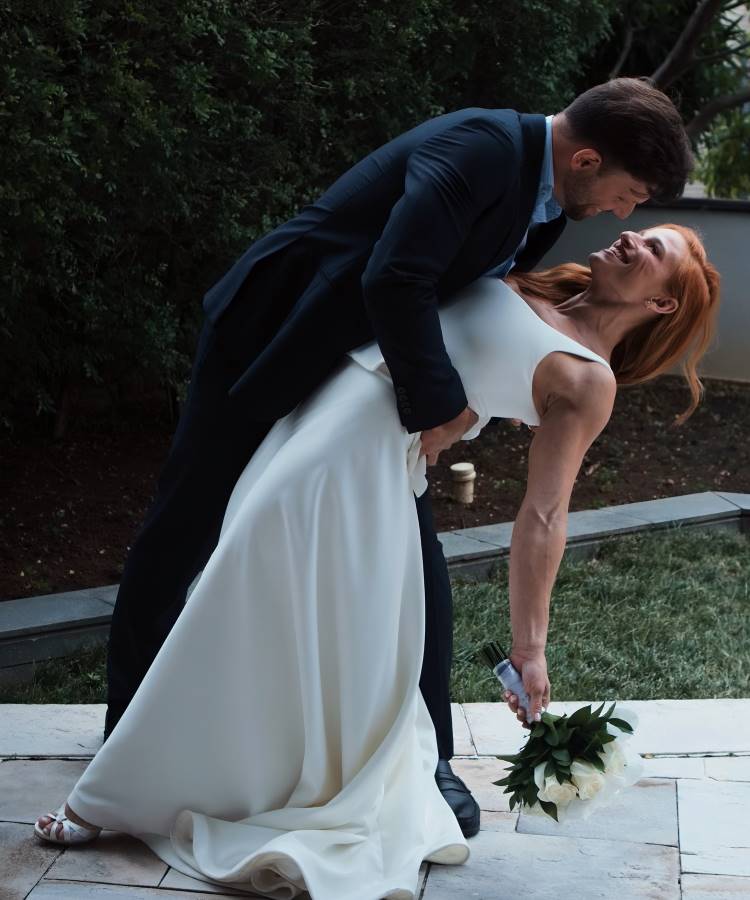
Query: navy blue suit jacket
point(406, 227)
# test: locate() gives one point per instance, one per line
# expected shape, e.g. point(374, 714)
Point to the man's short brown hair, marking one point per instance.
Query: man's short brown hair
point(635, 127)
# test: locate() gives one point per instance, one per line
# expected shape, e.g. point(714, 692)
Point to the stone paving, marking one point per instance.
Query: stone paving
point(680, 833)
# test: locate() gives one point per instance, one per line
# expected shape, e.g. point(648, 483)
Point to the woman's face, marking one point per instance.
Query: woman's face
point(638, 266)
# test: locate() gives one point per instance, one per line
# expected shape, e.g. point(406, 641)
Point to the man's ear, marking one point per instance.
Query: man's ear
point(586, 158)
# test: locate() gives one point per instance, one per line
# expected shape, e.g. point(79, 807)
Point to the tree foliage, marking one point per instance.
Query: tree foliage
point(139, 146)
point(147, 143)
point(699, 52)
point(724, 166)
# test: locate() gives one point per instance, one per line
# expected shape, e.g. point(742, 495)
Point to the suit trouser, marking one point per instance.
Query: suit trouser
point(211, 446)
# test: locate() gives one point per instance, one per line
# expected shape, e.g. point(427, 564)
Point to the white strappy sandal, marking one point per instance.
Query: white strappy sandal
point(72, 832)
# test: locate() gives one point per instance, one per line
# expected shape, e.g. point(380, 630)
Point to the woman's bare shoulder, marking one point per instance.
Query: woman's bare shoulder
point(581, 386)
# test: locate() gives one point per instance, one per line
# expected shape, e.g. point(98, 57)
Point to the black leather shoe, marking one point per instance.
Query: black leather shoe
point(458, 797)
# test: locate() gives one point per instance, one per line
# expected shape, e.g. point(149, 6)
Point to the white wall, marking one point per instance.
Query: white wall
point(726, 234)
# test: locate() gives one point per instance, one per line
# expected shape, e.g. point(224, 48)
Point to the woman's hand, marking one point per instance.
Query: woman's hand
point(532, 666)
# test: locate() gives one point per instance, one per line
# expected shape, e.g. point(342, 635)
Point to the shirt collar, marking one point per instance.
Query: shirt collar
point(546, 208)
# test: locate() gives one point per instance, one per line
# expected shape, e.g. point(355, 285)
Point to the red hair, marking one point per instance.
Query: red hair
point(653, 347)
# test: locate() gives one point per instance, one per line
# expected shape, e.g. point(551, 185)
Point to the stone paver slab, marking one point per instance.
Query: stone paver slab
point(728, 768)
point(23, 860)
point(496, 731)
point(112, 859)
point(494, 728)
point(715, 887)
point(537, 867)
point(51, 729)
point(462, 742)
point(741, 501)
point(715, 827)
point(479, 775)
point(459, 546)
point(686, 508)
point(496, 535)
point(78, 890)
point(673, 767)
point(645, 813)
point(691, 726)
point(497, 821)
point(30, 615)
point(182, 882)
point(596, 523)
point(664, 726)
point(108, 593)
point(31, 788)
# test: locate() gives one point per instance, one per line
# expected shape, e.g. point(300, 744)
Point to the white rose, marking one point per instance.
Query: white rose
point(613, 758)
point(586, 778)
point(550, 789)
point(561, 794)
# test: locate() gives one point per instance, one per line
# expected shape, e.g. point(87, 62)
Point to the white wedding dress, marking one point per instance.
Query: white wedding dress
point(279, 743)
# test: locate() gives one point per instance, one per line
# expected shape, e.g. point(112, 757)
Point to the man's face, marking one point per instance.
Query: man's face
point(587, 190)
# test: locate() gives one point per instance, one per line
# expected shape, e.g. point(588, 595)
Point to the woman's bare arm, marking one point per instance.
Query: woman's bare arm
point(575, 398)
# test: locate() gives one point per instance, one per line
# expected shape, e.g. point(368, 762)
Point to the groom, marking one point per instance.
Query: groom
point(459, 196)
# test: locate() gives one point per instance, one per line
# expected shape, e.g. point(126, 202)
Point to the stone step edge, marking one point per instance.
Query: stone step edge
point(33, 617)
point(586, 528)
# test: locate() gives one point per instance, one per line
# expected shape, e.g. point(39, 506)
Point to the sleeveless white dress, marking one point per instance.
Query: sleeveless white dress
point(279, 742)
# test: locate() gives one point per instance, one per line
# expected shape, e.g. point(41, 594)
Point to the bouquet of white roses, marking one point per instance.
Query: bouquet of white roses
point(575, 763)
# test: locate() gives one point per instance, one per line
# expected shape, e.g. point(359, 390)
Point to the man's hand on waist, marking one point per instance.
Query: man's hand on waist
point(440, 438)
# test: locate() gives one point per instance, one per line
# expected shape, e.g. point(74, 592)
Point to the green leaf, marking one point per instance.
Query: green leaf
point(551, 737)
point(549, 808)
point(622, 725)
point(549, 769)
point(561, 755)
point(580, 717)
point(540, 756)
point(597, 764)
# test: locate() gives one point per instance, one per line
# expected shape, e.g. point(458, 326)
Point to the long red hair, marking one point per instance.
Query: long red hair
point(655, 346)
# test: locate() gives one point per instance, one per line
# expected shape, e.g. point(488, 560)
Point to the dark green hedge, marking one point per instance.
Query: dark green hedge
point(144, 145)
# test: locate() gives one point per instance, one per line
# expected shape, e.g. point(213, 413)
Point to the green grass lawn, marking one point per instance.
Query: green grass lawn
point(653, 616)
point(76, 679)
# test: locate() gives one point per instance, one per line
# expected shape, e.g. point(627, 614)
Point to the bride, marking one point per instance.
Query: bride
point(279, 743)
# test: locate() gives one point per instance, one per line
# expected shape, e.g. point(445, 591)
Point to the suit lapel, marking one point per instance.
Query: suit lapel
point(541, 238)
point(514, 217)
